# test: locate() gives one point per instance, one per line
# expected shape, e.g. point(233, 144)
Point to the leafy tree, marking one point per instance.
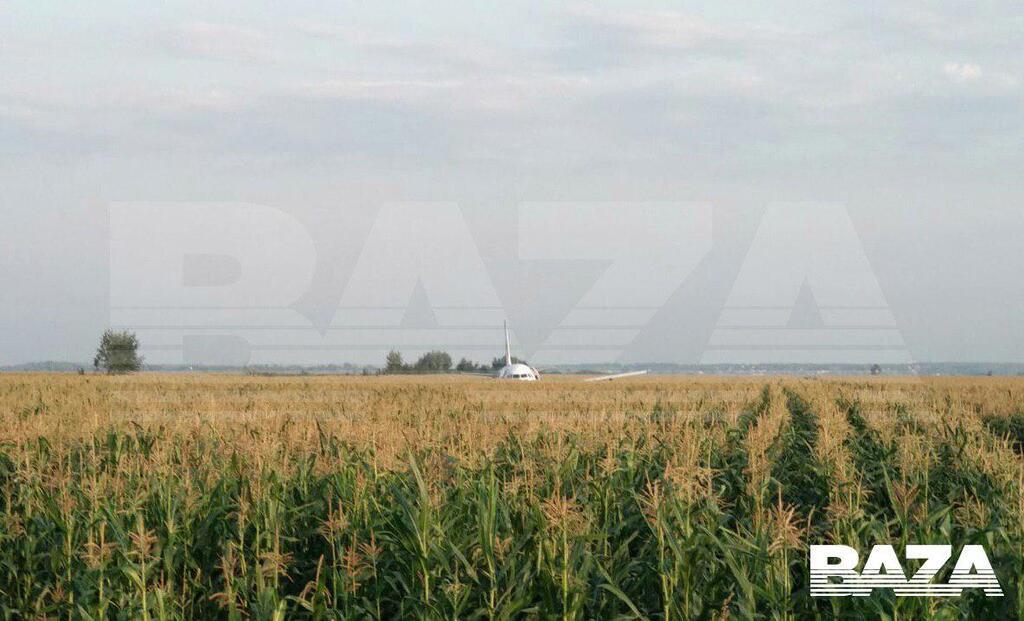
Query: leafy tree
point(394, 363)
point(466, 366)
point(118, 353)
point(876, 369)
point(434, 362)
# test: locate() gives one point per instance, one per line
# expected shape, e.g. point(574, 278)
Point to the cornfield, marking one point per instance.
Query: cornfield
point(215, 496)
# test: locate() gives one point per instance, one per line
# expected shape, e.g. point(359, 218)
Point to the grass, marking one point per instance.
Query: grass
point(215, 496)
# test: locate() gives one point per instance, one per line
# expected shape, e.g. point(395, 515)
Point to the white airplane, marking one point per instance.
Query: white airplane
point(525, 373)
point(515, 370)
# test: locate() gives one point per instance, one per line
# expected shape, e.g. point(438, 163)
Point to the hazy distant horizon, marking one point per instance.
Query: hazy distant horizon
point(973, 368)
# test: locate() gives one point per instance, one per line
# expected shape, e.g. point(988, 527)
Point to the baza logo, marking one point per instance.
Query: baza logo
point(882, 570)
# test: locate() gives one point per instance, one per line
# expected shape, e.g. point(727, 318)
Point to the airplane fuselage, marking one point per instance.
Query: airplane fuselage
point(517, 371)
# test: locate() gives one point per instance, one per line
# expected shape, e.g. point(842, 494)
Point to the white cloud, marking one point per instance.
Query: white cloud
point(498, 94)
point(962, 72)
point(449, 55)
point(18, 112)
point(587, 73)
point(221, 42)
point(380, 90)
point(667, 30)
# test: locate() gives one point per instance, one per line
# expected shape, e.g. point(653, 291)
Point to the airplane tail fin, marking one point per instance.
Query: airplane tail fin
point(508, 346)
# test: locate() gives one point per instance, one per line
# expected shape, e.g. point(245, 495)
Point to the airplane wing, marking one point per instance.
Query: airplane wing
point(605, 378)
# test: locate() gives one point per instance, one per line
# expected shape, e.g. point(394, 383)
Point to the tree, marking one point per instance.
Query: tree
point(394, 363)
point(876, 369)
point(499, 362)
point(434, 362)
point(118, 353)
point(466, 366)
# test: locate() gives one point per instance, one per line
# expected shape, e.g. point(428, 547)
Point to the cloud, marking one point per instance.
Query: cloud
point(502, 94)
point(666, 30)
point(409, 91)
point(18, 112)
point(220, 42)
point(448, 55)
point(966, 27)
point(581, 80)
point(962, 72)
point(995, 82)
point(655, 28)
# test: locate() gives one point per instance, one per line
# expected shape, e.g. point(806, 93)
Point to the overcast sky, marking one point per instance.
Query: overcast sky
point(909, 115)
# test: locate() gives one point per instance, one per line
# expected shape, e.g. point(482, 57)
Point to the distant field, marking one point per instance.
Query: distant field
point(198, 496)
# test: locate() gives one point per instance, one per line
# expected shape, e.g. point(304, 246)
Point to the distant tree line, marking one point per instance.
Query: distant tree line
point(430, 362)
point(440, 362)
point(119, 353)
